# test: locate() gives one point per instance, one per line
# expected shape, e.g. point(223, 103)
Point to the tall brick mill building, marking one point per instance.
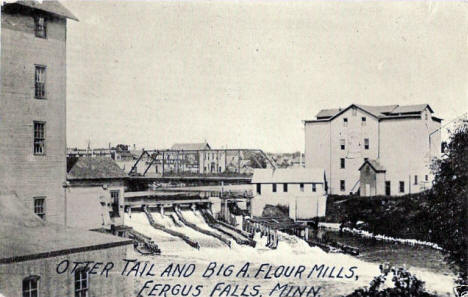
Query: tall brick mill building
point(34, 238)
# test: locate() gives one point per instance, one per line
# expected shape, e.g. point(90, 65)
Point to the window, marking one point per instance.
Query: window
point(274, 188)
point(426, 177)
point(39, 207)
point(259, 188)
point(366, 159)
point(39, 138)
point(387, 188)
point(366, 143)
point(345, 122)
point(342, 144)
point(31, 286)
point(342, 185)
point(285, 187)
point(81, 283)
point(115, 195)
point(443, 147)
point(363, 121)
point(402, 186)
point(415, 179)
point(40, 27)
point(301, 187)
point(39, 82)
point(342, 163)
point(314, 188)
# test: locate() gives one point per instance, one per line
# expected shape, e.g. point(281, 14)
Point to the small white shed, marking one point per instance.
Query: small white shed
point(302, 190)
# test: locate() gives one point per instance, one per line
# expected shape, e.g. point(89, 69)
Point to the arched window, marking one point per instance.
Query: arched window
point(81, 283)
point(31, 286)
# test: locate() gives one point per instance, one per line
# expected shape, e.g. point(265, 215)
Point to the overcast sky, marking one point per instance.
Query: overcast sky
point(242, 74)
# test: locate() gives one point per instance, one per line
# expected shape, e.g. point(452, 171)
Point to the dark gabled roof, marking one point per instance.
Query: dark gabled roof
point(436, 119)
point(190, 146)
point(24, 236)
point(53, 7)
point(326, 113)
point(379, 112)
point(374, 164)
point(95, 168)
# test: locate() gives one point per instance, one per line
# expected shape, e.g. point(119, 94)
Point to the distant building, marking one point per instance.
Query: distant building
point(197, 157)
point(95, 193)
point(298, 161)
point(399, 143)
point(190, 146)
point(302, 190)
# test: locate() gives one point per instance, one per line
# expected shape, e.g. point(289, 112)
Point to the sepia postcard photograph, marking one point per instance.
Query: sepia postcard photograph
point(233, 148)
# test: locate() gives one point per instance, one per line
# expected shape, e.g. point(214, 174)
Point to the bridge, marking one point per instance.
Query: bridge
point(214, 164)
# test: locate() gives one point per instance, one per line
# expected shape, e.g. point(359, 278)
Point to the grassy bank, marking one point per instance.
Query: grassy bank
point(402, 216)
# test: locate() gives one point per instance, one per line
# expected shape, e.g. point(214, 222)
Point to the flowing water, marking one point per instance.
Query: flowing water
point(291, 251)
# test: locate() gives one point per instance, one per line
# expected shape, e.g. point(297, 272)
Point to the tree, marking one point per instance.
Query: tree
point(448, 203)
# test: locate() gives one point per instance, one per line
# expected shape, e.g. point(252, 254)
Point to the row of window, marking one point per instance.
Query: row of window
point(211, 156)
point(363, 121)
point(31, 284)
point(401, 187)
point(343, 144)
point(285, 188)
point(212, 169)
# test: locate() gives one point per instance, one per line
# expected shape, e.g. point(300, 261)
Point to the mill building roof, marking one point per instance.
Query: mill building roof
point(52, 7)
point(96, 167)
point(24, 236)
point(378, 111)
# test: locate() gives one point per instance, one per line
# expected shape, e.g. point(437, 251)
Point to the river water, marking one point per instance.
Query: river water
point(291, 252)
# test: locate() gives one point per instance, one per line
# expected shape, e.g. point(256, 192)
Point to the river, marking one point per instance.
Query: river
point(291, 251)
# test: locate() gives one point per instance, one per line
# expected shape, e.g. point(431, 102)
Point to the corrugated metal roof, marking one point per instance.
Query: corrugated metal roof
point(95, 168)
point(24, 234)
point(190, 146)
point(288, 175)
point(53, 7)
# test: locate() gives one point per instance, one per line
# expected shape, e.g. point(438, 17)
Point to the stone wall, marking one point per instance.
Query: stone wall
point(23, 172)
point(53, 284)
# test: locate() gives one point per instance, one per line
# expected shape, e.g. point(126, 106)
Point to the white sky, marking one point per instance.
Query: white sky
point(242, 74)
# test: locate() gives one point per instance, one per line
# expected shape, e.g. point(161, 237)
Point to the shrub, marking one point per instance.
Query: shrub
point(404, 285)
